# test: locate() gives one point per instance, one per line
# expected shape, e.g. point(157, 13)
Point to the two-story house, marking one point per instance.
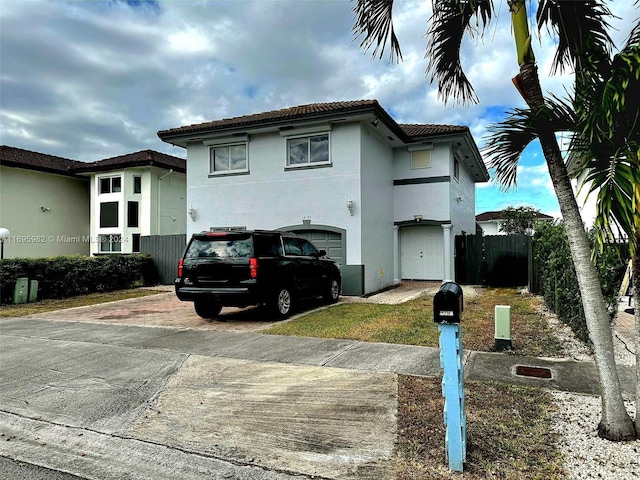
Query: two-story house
point(384, 199)
point(135, 195)
point(58, 206)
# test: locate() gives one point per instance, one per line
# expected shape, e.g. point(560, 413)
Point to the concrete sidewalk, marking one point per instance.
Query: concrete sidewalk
point(116, 401)
point(566, 375)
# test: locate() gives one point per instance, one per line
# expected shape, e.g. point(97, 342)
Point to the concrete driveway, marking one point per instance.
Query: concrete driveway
point(93, 392)
point(163, 310)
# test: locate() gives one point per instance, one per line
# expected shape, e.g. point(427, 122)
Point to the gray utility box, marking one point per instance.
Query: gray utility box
point(21, 292)
point(33, 290)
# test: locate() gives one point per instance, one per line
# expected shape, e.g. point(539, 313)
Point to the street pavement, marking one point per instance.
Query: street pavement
point(105, 401)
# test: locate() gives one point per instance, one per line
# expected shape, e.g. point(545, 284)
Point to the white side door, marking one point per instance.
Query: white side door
point(422, 250)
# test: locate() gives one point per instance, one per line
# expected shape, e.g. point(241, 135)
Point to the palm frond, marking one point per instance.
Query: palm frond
point(450, 21)
point(614, 204)
point(634, 36)
point(505, 144)
point(508, 139)
point(581, 28)
point(374, 20)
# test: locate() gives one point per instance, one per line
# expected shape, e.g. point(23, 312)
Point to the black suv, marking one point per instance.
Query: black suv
point(241, 268)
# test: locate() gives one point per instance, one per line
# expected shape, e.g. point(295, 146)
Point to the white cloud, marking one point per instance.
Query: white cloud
point(91, 80)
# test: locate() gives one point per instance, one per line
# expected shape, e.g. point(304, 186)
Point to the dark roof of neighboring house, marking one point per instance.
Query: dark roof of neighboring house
point(17, 157)
point(312, 111)
point(20, 158)
point(498, 215)
point(138, 159)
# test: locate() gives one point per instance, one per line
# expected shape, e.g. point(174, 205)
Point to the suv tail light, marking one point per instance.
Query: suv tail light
point(180, 264)
point(253, 267)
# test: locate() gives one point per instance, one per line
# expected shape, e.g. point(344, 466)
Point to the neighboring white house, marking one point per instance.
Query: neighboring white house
point(384, 199)
point(134, 195)
point(586, 201)
point(57, 206)
point(491, 222)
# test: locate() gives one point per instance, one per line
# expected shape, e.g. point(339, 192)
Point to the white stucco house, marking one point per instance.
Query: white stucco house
point(384, 199)
point(586, 202)
point(134, 195)
point(491, 222)
point(58, 206)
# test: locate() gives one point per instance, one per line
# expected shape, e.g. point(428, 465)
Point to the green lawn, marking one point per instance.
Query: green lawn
point(412, 323)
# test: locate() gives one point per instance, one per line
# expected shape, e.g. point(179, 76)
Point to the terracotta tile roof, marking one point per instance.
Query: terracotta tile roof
point(291, 113)
point(137, 159)
point(424, 130)
point(317, 110)
point(18, 157)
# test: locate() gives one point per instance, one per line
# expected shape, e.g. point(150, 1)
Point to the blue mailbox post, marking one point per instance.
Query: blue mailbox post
point(447, 312)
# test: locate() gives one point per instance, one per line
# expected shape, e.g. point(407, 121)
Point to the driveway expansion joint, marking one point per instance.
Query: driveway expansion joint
point(341, 352)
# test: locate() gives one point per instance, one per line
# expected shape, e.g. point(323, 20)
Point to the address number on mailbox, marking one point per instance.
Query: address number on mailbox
point(448, 303)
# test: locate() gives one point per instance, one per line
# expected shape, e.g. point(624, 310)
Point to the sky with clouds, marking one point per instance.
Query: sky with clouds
point(89, 80)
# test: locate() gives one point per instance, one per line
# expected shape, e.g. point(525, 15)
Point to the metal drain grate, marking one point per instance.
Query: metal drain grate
point(536, 372)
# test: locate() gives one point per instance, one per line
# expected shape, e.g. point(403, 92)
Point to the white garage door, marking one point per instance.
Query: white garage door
point(422, 253)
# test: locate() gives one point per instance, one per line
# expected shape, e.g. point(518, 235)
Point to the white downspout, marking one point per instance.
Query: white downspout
point(158, 230)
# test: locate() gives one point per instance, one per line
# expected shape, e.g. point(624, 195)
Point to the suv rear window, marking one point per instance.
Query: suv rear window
point(220, 247)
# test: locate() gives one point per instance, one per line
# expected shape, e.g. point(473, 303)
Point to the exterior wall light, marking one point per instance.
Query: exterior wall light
point(4, 234)
point(351, 205)
point(417, 218)
point(192, 213)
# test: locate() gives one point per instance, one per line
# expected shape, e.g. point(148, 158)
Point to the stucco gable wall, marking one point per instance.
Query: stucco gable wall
point(377, 211)
point(62, 229)
point(430, 195)
point(270, 196)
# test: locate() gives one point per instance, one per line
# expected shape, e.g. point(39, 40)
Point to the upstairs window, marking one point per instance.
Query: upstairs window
point(108, 214)
point(308, 151)
point(132, 214)
point(420, 159)
point(227, 159)
point(110, 184)
point(137, 184)
point(456, 169)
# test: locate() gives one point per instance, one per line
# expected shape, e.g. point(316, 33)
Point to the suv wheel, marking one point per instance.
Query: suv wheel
point(332, 292)
point(207, 309)
point(283, 302)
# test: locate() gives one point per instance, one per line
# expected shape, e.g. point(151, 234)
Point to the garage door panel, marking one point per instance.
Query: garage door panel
point(331, 242)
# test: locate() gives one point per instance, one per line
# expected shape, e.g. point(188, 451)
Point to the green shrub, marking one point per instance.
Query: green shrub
point(67, 276)
point(557, 276)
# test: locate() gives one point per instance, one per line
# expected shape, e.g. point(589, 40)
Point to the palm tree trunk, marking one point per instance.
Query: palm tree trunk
point(615, 424)
point(635, 279)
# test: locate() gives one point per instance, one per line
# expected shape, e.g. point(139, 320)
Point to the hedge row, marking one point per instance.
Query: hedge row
point(558, 282)
point(67, 276)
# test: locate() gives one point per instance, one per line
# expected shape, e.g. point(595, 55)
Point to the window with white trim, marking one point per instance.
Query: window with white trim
point(110, 243)
point(456, 169)
point(226, 159)
point(110, 184)
point(310, 150)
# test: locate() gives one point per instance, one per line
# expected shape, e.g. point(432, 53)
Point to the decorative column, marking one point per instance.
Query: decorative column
point(448, 272)
point(396, 255)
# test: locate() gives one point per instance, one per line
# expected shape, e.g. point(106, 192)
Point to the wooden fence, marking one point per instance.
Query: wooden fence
point(494, 260)
point(165, 250)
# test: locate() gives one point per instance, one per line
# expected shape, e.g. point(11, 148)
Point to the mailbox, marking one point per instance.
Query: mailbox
point(448, 303)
